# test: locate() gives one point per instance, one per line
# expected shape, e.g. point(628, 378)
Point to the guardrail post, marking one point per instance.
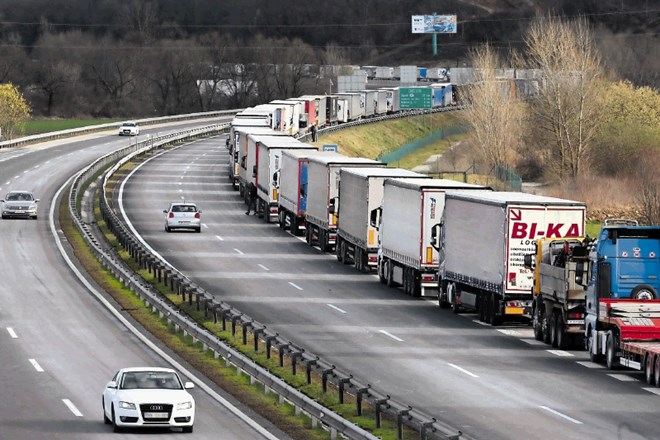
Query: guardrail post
point(399, 422)
point(269, 341)
point(324, 377)
point(233, 324)
point(308, 369)
point(378, 404)
point(359, 393)
point(244, 328)
point(256, 332)
point(424, 427)
point(342, 384)
point(280, 351)
point(294, 358)
point(225, 313)
point(198, 294)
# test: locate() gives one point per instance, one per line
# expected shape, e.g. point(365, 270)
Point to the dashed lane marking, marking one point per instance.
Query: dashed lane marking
point(36, 365)
point(589, 364)
point(563, 416)
point(263, 267)
point(12, 333)
point(332, 306)
point(295, 285)
point(388, 334)
point(72, 407)
point(219, 238)
point(623, 377)
point(462, 370)
point(653, 390)
point(560, 353)
point(238, 251)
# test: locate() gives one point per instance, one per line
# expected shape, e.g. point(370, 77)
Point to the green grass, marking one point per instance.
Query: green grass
point(593, 228)
point(37, 126)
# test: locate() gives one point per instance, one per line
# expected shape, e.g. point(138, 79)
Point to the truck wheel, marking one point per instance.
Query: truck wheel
point(481, 307)
point(643, 291)
point(442, 295)
point(455, 308)
point(536, 320)
point(390, 274)
point(656, 371)
point(381, 272)
point(610, 350)
point(406, 281)
point(648, 369)
point(294, 226)
point(553, 329)
point(344, 253)
point(415, 285)
point(563, 340)
point(545, 326)
point(497, 318)
point(308, 235)
point(281, 220)
point(338, 250)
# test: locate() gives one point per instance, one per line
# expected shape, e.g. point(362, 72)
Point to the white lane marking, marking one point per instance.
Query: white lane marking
point(205, 225)
point(532, 342)
point(589, 364)
point(239, 251)
point(26, 171)
point(36, 365)
point(508, 332)
point(332, 306)
point(295, 285)
point(263, 267)
point(560, 353)
point(564, 416)
point(386, 333)
point(8, 182)
point(219, 238)
point(462, 370)
point(652, 390)
point(72, 407)
point(623, 378)
point(180, 178)
point(12, 333)
point(35, 167)
point(480, 323)
point(16, 177)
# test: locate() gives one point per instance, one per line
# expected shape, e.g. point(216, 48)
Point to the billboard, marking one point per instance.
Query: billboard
point(433, 24)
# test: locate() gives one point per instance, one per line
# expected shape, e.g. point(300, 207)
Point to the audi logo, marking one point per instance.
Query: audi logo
point(156, 407)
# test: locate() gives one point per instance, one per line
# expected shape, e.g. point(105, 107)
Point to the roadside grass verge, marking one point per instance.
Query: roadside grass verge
point(37, 126)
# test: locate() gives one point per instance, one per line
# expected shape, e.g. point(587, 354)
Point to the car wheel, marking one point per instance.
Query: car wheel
point(188, 429)
point(167, 229)
point(115, 427)
point(198, 229)
point(106, 420)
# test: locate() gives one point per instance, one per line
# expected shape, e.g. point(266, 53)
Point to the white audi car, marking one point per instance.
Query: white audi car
point(148, 397)
point(129, 128)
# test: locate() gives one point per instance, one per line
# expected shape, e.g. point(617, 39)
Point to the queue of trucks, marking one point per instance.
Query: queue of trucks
point(503, 255)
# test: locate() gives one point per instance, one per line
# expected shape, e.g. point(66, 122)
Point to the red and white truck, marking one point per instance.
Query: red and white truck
point(483, 241)
point(247, 143)
point(411, 209)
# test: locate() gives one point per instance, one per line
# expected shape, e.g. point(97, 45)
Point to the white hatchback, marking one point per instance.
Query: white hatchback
point(148, 397)
point(183, 215)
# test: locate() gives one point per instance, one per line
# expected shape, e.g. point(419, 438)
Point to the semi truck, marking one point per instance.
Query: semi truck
point(323, 196)
point(560, 269)
point(361, 193)
point(483, 239)
point(238, 147)
point(411, 207)
point(294, 188)
point(269, 163)
point(356, 105)
point(247, 152)
point(622, 325)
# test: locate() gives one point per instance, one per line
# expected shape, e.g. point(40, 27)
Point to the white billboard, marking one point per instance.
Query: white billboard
point(433, 24)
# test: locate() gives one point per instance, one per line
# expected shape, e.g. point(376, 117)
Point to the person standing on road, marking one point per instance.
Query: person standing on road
point(314, 133)
point(252, 199)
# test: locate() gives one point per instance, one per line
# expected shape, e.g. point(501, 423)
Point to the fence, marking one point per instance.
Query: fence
point(506, 175)
point(418, 144)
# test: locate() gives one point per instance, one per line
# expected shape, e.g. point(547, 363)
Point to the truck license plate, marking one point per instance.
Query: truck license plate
point(514, 311)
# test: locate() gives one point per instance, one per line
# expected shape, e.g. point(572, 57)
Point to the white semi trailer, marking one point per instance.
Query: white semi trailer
point(411, 209)
point(361, 194)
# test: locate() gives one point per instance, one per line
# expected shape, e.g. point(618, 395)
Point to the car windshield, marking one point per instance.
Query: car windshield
point(184, 208)
point(23, 197)
point(129, 124)
point(151, 380)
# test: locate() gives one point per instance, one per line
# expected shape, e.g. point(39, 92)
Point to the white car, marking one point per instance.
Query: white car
point(148, 397)
point(129, 128)
point(19, 204)
point(183, 215)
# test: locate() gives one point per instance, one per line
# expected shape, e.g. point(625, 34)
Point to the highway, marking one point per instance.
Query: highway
point(491, 383)
point(59, 345)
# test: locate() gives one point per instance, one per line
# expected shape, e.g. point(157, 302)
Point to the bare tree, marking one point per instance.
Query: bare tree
point(492, 109)
point(207, 69)
point(567, 112)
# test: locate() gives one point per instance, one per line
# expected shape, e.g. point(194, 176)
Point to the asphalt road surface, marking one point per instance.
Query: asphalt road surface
point(59, 345)
point(492, 383)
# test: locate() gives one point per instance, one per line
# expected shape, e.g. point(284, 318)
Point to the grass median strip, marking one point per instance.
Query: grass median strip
point(253, 395)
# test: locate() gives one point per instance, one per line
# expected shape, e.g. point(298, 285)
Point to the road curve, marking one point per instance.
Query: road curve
point(492, 383)
point(59, 346)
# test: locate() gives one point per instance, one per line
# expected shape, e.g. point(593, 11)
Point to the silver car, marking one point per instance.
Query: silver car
point(19, 204)
point(183, 215)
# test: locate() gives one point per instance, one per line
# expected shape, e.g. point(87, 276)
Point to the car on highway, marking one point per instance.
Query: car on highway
point(129, 128)
point(19, 204)
point(140, 397)
point(183, 215)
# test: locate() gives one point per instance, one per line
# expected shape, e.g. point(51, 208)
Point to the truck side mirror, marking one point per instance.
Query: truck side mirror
point(374, 217)
point(254, 171)
point(331, 207)
point(528, 261)
point(435, 236)
point(579, 274)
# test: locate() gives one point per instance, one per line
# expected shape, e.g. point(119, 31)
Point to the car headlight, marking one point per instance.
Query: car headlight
point(126, 405)
point(184, 405)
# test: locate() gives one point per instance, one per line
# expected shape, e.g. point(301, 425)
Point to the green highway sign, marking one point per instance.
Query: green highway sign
point(415, 97)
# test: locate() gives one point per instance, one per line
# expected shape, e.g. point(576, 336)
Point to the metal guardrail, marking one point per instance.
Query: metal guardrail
point(43, 137)
point(363, 395)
